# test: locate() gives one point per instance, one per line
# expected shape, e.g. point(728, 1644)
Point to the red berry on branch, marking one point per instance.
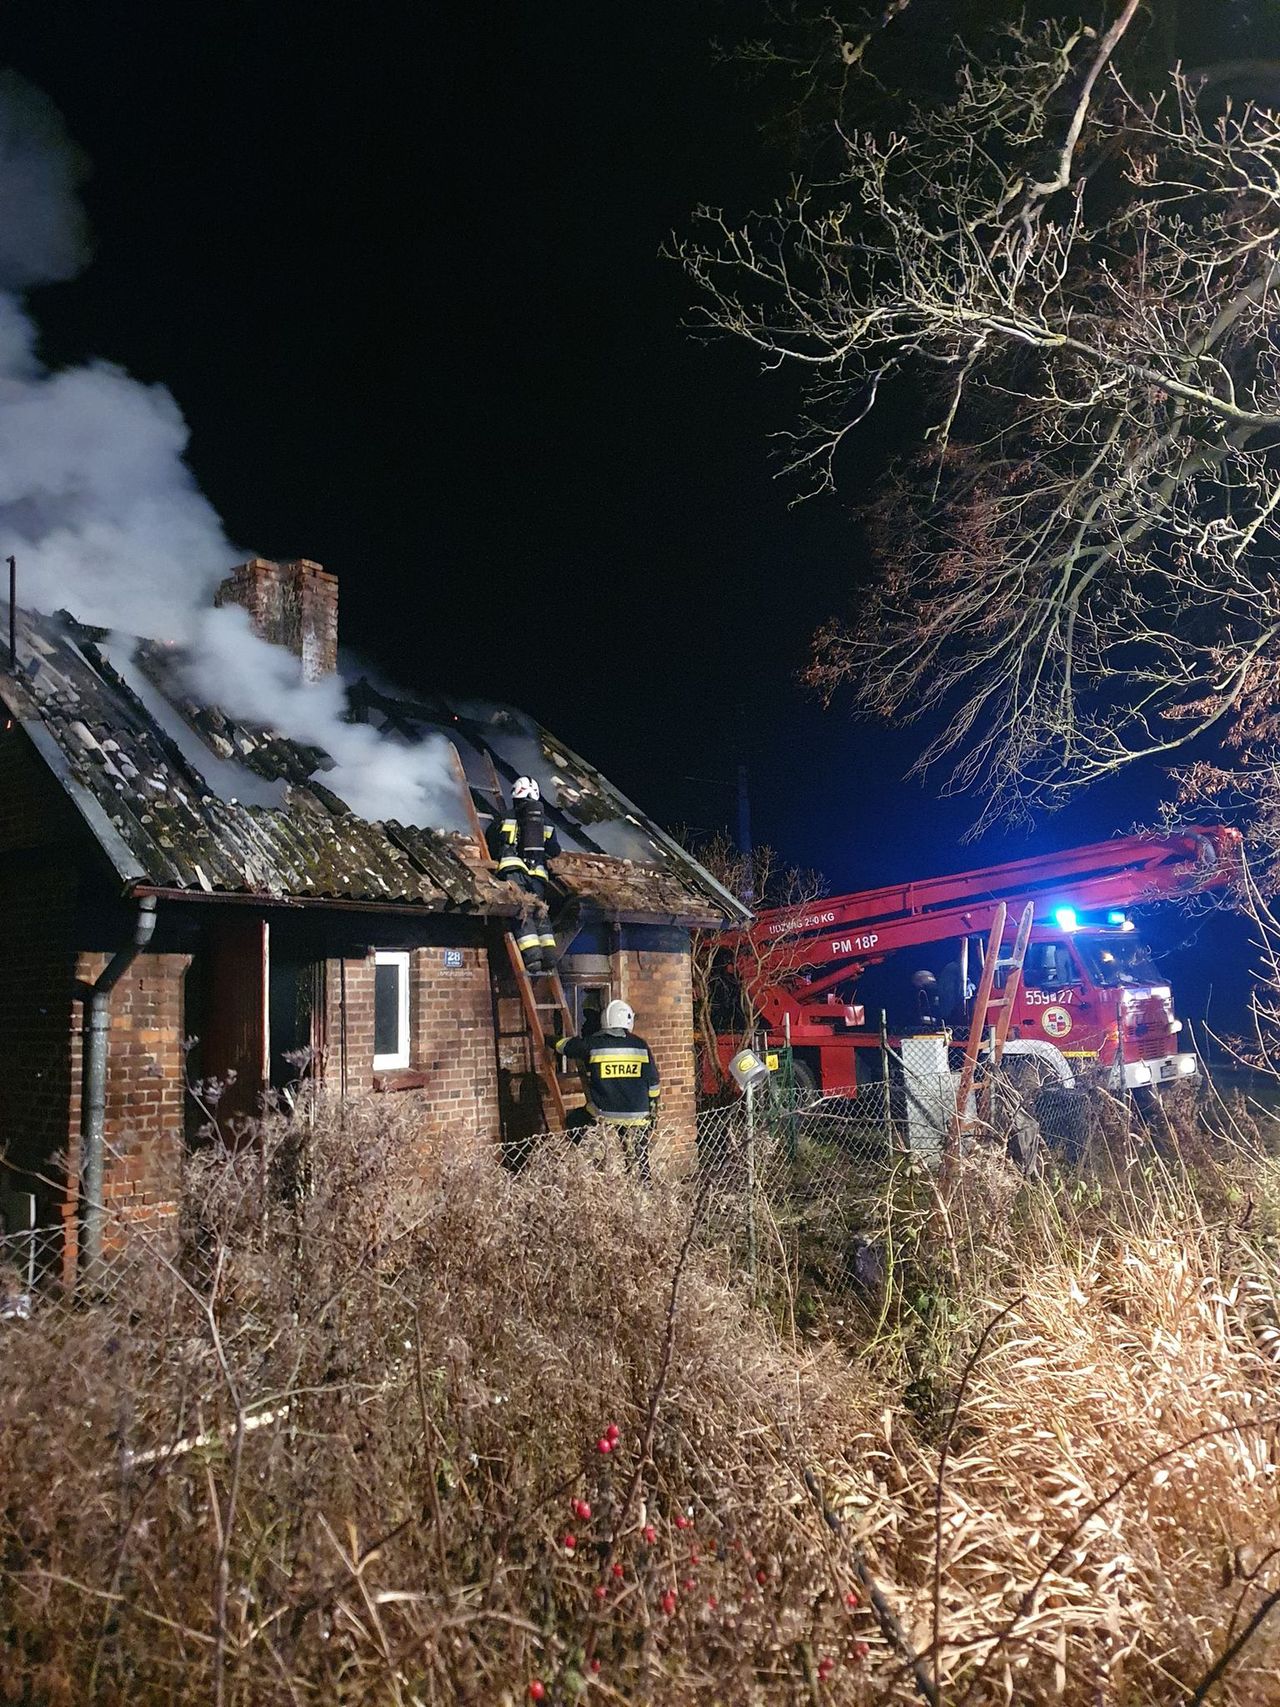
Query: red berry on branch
point(581, 1509)
point(694, 1559)
point(669, 1602)
point(712, 1602)
point(537, 1689)
point(650, 1534)
point(682, 1522)
point(762, 1576)
point(618, 1571)
point(570, 1542)
point(600, 1591)
point(851, 1599)
point(687, 1585)
point(825, 1668)
point(861, 1649)
point(604, 1444)
point(612, 1433)
point(595, 1665)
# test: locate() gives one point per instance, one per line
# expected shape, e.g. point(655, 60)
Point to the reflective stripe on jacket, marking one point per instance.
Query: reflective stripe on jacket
point(523, 843)
point(622, 1077)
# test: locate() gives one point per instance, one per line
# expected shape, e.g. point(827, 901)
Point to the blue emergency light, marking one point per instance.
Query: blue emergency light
point(1117, 917)
point(1065, 918)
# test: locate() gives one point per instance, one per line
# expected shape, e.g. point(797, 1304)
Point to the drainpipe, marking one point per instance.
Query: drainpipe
point(93, 1108)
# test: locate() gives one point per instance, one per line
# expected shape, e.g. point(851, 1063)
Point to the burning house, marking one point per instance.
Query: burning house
point(190, 897)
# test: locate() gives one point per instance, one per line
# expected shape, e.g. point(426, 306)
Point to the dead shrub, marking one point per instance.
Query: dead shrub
point(439, 1347)
point(346, 1445)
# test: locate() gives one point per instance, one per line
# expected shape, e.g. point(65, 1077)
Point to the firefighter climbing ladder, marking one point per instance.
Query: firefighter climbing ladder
point(542, 997)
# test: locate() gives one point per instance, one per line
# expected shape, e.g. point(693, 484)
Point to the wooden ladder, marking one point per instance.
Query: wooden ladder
point(1012, 987)
point(540, 1004)
point(982, 1021)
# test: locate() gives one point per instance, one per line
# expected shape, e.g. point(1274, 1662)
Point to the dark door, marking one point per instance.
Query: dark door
point(295, 1004)
point(231, 1056)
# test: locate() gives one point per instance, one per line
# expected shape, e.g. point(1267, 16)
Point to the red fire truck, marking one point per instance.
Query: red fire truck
point(1090, 994)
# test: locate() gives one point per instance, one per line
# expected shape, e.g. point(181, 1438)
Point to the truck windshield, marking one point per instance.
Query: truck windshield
point(1119, 960)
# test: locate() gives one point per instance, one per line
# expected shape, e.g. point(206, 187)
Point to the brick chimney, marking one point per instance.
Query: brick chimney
point(291, 604)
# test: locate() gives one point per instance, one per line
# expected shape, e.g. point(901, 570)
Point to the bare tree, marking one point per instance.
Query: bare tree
point(1077, 268)
point(719, 959)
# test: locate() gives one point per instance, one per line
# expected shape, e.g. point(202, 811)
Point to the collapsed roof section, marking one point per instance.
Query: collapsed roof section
point(183, 797)
point(498, 743)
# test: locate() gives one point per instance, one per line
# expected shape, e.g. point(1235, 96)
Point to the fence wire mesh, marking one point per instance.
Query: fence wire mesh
point(785, 1168)
point(784, 1165)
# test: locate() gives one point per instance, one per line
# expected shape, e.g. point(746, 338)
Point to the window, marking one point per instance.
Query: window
point(589, 1002)
point(1049, 966)
point(585, 1005)
point(1115, 960)
point(390, 1009)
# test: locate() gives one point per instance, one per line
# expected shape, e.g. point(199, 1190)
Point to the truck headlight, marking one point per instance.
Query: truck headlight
point(1187, 1064)
point(1140, 1073)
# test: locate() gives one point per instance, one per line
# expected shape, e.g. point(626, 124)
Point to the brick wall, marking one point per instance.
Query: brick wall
point(657, 981)
point(452, 1074)
point(37, 1013)
point(39, 888)
point(146, 1079)
point(349, 984)
point(451, 1021)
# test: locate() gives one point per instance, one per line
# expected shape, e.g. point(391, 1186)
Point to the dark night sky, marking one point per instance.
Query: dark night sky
point(399, 266)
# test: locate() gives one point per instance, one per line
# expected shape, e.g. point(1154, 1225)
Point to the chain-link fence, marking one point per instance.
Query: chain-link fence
point(783, 1168)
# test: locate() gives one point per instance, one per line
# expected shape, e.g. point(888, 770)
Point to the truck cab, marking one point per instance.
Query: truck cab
point(1100, 999)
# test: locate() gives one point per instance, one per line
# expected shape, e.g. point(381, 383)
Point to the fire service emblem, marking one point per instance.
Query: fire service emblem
point(1056, 1021)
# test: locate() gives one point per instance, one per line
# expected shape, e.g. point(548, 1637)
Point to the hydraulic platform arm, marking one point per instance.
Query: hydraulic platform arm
point(792, 955)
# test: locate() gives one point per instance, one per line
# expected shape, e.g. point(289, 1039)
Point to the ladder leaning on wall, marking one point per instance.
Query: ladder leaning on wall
point(545, 1009)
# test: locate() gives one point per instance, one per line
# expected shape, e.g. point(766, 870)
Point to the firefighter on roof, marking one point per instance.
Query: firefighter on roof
point(622, 1081)
point(522, 844)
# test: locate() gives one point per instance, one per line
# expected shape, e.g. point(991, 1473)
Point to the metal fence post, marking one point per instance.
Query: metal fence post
point(750, 1095)
point(884, 1076)
point(793, 1141)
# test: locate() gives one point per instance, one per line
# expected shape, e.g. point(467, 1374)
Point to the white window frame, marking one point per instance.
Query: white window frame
point(398, 957)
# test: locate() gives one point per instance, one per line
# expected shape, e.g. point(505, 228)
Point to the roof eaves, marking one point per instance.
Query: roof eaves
point(123, 860)
point(335, 903)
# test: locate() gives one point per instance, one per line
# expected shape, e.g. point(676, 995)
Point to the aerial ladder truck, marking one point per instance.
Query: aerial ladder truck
point(1089, 997)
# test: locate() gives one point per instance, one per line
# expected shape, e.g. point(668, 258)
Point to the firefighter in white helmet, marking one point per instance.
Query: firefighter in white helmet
point(622, 1081)
point(522, 843)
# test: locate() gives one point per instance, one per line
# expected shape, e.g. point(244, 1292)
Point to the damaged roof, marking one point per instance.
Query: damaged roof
point(182, 797)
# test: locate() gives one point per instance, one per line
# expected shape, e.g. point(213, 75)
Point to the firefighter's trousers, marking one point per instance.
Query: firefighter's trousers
point(633, 1141)
point(534, 936)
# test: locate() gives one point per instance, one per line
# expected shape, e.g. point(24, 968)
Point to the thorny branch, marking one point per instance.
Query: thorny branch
point(888, 1620)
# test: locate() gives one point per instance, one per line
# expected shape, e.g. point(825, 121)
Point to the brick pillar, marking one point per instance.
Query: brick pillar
point(144, 1131)
point(659, 986)
point(292, 604)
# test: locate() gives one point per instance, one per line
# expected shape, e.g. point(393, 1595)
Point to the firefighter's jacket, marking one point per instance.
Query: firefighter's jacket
point(622, 1077)
point(522, 844)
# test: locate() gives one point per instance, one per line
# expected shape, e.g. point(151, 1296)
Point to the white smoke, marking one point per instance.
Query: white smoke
point(106, 519)
point(376, 776)
point(95, 498)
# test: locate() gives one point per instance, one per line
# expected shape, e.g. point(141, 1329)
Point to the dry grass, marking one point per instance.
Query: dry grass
point(1110, 1503)
point(451, 1347)
point(441, 1346)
